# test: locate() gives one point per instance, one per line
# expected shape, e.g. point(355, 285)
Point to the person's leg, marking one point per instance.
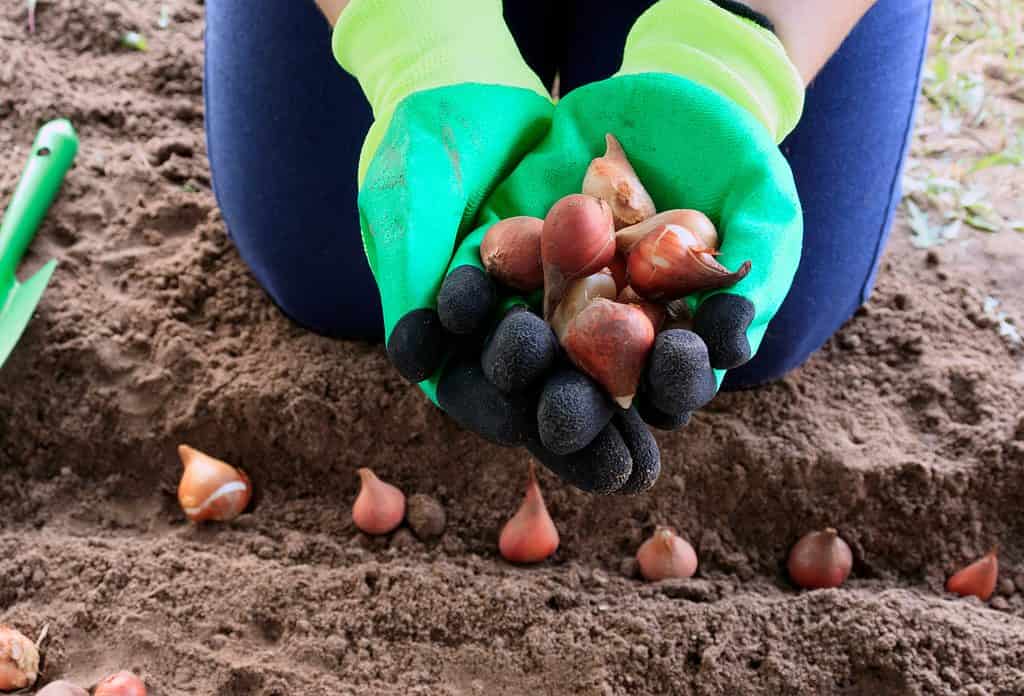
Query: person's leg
point(284, 128)
point(846, 154)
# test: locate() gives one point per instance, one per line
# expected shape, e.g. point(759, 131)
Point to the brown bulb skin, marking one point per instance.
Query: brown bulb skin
point(978, 579)
point(666, 555)
point(211, 490)
point(610, 341)
point(379, 507)
point(617, 267)
point(672, 262)
point(578, 240)
point(694, 220)
point(578, 294)
point(19, 660)
point(613, 179)
point(62, 688)
point(820, 560)
point(121, 684)
point(655, 311)
point(530, 535)
point(510, 252)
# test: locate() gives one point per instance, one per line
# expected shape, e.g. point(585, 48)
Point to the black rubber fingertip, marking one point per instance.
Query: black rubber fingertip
point(656, 418)
point(477, 405)
point(602, 467)
point(643, 450)
point(466, 300)
point(418, 344)
point(678, 377)
point(522, 349)
point(571, 412)
point(722, 321)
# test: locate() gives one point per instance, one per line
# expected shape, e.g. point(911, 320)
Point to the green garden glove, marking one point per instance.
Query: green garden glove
point(701, 100)
point(455, 108)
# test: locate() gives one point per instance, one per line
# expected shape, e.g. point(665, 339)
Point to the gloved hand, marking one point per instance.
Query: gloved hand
point(702, 98)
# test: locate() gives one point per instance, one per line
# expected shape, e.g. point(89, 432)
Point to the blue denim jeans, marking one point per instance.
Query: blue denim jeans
point(284, 126)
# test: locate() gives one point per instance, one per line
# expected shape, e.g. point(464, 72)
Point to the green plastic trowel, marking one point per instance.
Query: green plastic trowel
point(52, 154)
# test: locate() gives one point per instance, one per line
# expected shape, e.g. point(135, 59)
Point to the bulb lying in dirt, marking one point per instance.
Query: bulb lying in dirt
point(673, 262)
point(613, 179)
point(666, 555)
point(693, 220)
point(610, 341)
point(511, 253)
point(19, 660)
point(820, 560)
point(379, 507)
point(62, 688)
point(211, 489)
point(121, 684)
point(977, 579)
point(578, 294)
point(530, 536)
point(578, 239)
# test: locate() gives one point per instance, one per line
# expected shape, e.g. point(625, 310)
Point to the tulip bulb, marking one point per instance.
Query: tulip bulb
point(510, 252)
point(977, 579)
point(820, 560)
point(121, 684)
point(655, 311)
point(19, 660)
point(617, 267)
point(578, 294)
point(530, 535)
point(697, 222)
point(613, 179)
point(379, 507)
point(610, 342)
point(672, 262)
point(578, 239)
point(62, 688)
point(211, 489)
point(666, 555)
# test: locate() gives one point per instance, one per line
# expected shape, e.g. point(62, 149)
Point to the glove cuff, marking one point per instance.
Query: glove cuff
point(397, 47)
point(721, 50)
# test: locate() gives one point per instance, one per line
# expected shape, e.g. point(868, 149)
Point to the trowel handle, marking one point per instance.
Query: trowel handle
point(52, 153)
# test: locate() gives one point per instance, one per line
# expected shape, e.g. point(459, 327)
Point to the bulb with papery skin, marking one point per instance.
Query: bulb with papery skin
point(613, 179)
point(211, 489)
point(820, 560)
point(578, 294)
point(617, 267)
point(978, 579)
point(672, 262)
point(578, 239)
point(666, 555)
point(121, 684)
point(379, 507)
point(655, 311)
point(697, 222)
point(530, 535)
point(510, 252)
point(19, 660)
point(610, 342)
point(62, 688)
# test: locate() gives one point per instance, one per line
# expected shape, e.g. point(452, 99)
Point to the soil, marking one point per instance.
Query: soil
point(906, 432)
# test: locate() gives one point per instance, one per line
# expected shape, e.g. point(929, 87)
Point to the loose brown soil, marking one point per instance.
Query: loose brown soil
point(906, 432)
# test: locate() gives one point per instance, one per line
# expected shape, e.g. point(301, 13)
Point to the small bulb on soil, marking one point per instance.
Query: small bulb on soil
point(211, 489)
point(613, 179)
point(820, 560)
point(426, 516)
point(610, 341)
point(121, 684)
point(19, 660)
point(666, 555)
point(510, 252)
point(578, 239)
point(673, 262)
point(977, 579)
point(62, 688)
point(379, 507)
point(530, 536)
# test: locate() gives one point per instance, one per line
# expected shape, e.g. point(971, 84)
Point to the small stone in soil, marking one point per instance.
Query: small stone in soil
point(999, 603)
point(1007, 586)
point(628, 567)
point(403, 539)
point(426, 517)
